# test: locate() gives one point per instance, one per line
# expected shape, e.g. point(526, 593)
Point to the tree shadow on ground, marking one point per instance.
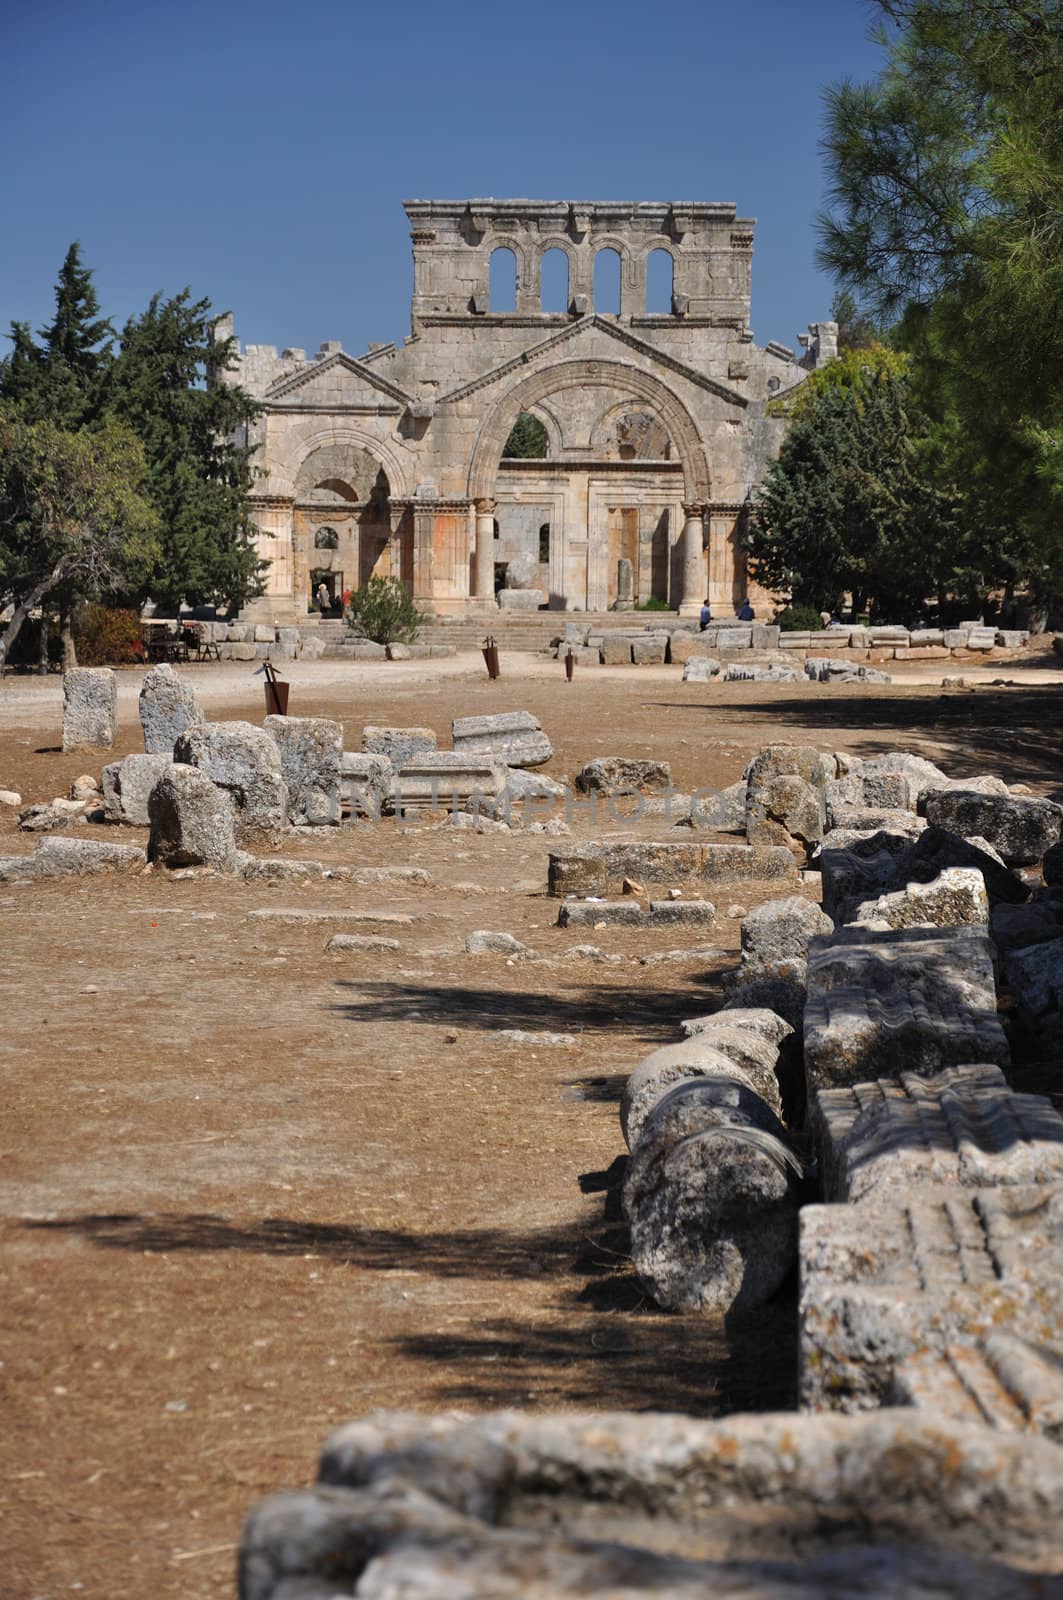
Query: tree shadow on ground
point(583, 1011)
point(1011, 732)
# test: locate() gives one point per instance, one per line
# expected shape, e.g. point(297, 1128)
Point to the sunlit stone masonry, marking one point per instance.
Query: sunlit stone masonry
point(623, 332)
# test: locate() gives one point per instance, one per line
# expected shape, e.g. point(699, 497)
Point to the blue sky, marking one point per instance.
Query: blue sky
point(260, 152)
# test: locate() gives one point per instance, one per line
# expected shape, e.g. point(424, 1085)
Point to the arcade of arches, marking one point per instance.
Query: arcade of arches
point(544, 424)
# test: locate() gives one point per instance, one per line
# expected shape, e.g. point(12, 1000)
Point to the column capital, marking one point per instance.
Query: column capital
point(694, 510)
point(485, 507)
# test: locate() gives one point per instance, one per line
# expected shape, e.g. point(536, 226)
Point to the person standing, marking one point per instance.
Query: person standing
point(324, 599)
point(705, 616)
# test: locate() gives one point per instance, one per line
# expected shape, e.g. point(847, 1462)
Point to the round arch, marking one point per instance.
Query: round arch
point(304, 448)
point(524, 396)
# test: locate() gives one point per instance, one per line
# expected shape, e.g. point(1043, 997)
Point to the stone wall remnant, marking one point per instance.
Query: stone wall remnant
point(90, 708)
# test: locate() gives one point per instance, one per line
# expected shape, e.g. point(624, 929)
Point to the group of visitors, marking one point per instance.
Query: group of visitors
point(744, 613)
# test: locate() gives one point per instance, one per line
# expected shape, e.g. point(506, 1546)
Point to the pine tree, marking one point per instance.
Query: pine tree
point(63, 378)
point(195, 437)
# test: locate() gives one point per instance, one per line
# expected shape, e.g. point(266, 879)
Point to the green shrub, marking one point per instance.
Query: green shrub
point(800, 619)
point(107, 636)
point(654, 603)
point(383, 610)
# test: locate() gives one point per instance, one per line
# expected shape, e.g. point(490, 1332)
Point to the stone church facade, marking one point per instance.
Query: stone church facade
point(656, 422)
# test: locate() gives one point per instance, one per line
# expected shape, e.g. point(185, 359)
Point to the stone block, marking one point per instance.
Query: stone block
point(926, 636)
point(925, 652)
point(711, 1197)
point(702, 669)
point(311, 648)
point(245, 762)
point(513, 737)
point(765, 636)
point(365, 783)
point(685, 646)
point(584, 655)
point(240, 633)
point(74, 858)
point(649, 650)
point(681, 913)
point(243, 652)
point(192, 822)
point(794, 641)
point(1013, 927)
point(265, 633)
point(127, 787)
point(963, 1126)
point(786, 795)
point(1012, 638)
point(600, 913)
point(779, 930)
point(623, 774)
point(311, 753)
point(366, 650)
point(910, 999)
point(739, 638)
point(615, 650)
point(18, 869)
point(397, 744)
point(1020, 828)
point(955, 638)
point(1052, 865)
point(90, 708)
point(937, 848)
point(521, 599)
point(446, 779)
point(168, 706)
point(955, 898)
point(598, 866)
point(1035, 978)
point(757, 672)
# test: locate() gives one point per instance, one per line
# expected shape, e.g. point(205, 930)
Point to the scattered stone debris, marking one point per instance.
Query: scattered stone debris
point(90, 708)
point(167, 706)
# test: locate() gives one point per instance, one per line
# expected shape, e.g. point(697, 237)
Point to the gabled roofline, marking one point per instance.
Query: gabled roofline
point(296, 380)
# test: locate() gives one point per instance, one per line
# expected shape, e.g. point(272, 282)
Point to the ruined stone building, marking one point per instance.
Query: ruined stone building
point(656, 425)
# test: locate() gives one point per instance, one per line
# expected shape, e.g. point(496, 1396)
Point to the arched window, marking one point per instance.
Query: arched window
point(502, 287)
point(326, 539)
point(659, 269)
point(527, 440)
point(607, 282)
point(553, 283)
point(544, 543)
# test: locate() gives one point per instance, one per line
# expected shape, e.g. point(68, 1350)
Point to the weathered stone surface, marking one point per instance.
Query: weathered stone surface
point(311, 755)
point(719, 810)
point(484, 943)
point(688, 646)
point(48, 816)
point(711, 1197)
point(18, 869)
point(1021, 829)
point(397, 744)
point(782, 989)
point(192, 821)
point(785, 795)
point(857, 867)
point(899, 1503)
point(615, 650)
point(1013, 927)
point(954, 898)
point(911, 999)
point(649, 650)
point(365, 783)
point(10, 797)
point(522, 572)
point(168, 706)
point(90, 708)
point(599, 866)
point(937, 848)
point(1035, 978)
point(935, 1275)
point(1052, 865)
point(760, 672)
point(85, 787)
point(778, 930)
point(701, 669)
point(600, 913)
point(527, 795)
point(360, 944)
point(615, 774)
point(688, 954)
point(447, 779)
point(65, 858)
point(243, 761)
point(872, 819)
point(313, 916)
point(513, 737)
point(704, 1055)
point(521, 599)
point(963, 1126)
point(764, 1023)
point(127, 786)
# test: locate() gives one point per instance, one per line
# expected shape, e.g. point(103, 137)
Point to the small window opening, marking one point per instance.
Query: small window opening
point(502, 287)
point(553, 282)
point(659, 282)
point(607, 282)
point(544, 543)
point(326, 539)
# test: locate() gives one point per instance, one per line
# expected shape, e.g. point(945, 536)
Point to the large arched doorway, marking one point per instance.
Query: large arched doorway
point(598, 501)
point(341, 525)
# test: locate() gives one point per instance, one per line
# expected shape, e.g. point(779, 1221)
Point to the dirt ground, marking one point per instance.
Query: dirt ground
point(250, 1190)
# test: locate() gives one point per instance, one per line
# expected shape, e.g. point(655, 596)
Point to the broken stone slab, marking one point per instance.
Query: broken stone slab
point(955, 898)
point(779, 930)
point(711, 1196)
point(918, 1275)
point(1035, 978)
point(599, 866)
point(600, 913)
point(877, 819)
point(556, 1041)
point(10, 797)
point(365, 783)
point(397, 744)
point(18, 869)
point(47, 816)
point(1020, 829)
point(127, 787)
point(937, 848)
point(515, 738)
point(286, 869)
point(683, 913)
point(371, 944)
point(311, 754)
point(698, 668)
point(650, 650)
point(243, 762)
point(719, 810)
point(372, 877)
point(755, 672)
point(690, 955)
point(909, 999)
point(703, 1056)
point(191, 821)
point(534, 792)
point(75, 858)
point(446, 779)
point(541, 1506)
point(300, 914)
point(786, 795)
point(761, 1021)
point(963, 1126)
point(623, 774)
point(614, 651)
point(484, 943)
point(168, 706)
point(90, 708)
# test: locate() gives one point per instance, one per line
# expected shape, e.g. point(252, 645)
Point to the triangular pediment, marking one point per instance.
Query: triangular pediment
point(585, 330)
point(336, 379)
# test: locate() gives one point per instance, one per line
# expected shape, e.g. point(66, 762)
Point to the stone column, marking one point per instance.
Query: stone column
point(423, 555)
point(484, 563)
point(694, 590)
